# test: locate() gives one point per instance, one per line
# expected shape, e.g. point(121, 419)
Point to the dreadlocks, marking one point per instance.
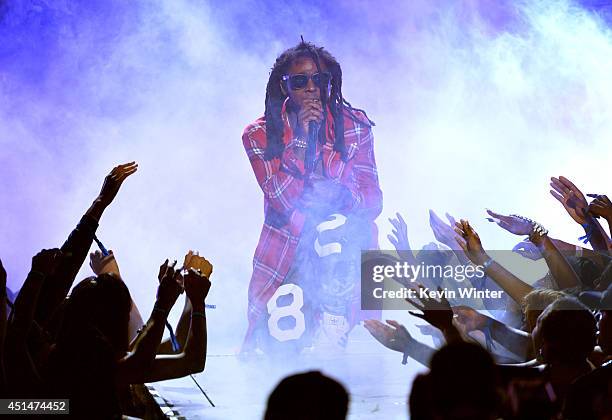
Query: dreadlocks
point(275, 99)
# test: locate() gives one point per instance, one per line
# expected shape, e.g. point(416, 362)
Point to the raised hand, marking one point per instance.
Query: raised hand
point(198, 263)
point(571, 197)
point(393, 336)
point(170, 286)
point(197, 286)
point(46, 261)
point(113, 181)
point(437, 312)
point(101, 264)
point(469, 241)
point(528, 249)
point(512, 223)
point(443, 232)
point(399, 234)
point(469, 319)
point(600, 207)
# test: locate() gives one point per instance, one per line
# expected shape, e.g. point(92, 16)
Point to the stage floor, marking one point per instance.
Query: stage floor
point(376, 380)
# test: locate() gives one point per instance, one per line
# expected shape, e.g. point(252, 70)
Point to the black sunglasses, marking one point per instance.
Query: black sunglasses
point(299, 81)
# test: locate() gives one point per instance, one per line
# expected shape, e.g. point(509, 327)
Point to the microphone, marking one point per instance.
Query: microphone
point(311, 149)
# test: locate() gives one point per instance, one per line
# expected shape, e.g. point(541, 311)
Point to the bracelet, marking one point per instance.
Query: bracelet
point(487, 263)
point(588, 232)
point(536, 228)
point(195, 313)
point(537, 231)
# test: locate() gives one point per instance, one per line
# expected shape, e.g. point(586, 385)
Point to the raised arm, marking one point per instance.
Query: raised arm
point(517, 341)
point(399, 239)
point(445, 234)
point(601, 206)
point(192, 359)
point(437, 313)
point(203, 266)
point(470, 243)
point(576, 206)
point(43, 263)
point(134, 367)
point(21, 372)
point(561, 270)
point(78, 243)
point(101, 264)
point(395, 336)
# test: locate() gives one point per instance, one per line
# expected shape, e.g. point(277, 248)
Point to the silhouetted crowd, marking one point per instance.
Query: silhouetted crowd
point(91, 345)
point(543, 353)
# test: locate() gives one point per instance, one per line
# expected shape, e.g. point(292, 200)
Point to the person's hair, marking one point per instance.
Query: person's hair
point(539, 299)
point(101, 305)
point(568, 330)
point(275, 98)
point(309, 395)
point(461, 384)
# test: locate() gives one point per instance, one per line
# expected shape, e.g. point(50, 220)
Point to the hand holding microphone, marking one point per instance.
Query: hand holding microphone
point(311, 111)
point(310, 116)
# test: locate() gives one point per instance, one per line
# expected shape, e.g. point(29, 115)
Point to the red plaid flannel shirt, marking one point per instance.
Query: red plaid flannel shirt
point(282, 185)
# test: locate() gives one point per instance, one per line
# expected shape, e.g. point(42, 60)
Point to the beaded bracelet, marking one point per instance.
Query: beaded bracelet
point(536, 228)
point(195, 313)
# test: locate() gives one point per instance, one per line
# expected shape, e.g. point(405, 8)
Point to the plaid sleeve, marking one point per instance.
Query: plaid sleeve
point(366, 192)
point(280, 180)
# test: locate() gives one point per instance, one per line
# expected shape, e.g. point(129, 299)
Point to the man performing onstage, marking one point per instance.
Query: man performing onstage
point(313, 157)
